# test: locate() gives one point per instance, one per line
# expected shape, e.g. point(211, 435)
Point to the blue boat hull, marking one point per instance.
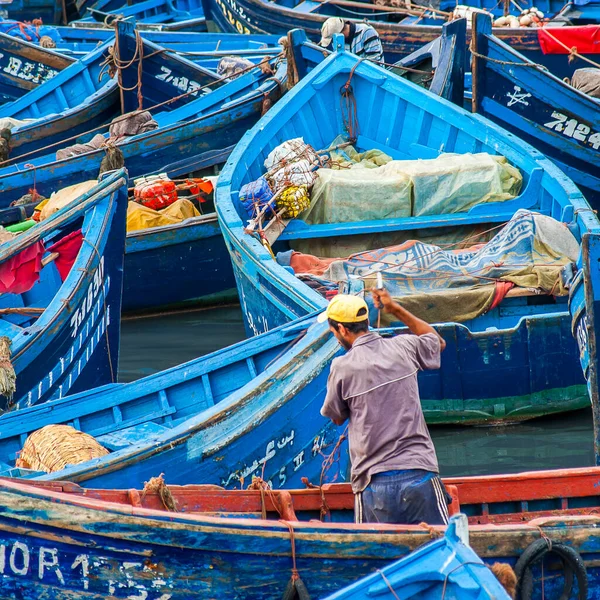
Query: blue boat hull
point(96, 544)
point(398, 39)
point(172, 265)
point(248, 411)
point(23, 66)
point(516, 361)
point(558, 120)
point(74, 346)
point(485, 377)
point(50, 11)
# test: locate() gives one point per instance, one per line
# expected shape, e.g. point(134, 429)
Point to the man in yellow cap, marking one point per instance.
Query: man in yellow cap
point(361, 38)
point(374, 386)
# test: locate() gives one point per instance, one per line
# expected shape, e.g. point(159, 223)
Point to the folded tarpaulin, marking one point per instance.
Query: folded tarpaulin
point(585, 39)
point(143, 217)
point(21, 272)
point(440, 285)
point(67, 249)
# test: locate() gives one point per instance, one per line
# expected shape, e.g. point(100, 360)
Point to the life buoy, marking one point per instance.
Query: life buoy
point(573, 565)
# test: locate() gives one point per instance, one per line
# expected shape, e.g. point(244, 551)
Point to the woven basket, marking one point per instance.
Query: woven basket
point(54, 447)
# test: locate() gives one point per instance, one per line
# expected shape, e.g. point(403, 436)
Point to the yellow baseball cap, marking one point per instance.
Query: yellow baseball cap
point(344, 308)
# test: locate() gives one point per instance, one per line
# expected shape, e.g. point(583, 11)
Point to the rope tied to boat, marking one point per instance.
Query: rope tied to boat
point(468, 562)
point(508, 63)
point(8, 377)
point(348, 106)
point(295, 587)
point(157, 485)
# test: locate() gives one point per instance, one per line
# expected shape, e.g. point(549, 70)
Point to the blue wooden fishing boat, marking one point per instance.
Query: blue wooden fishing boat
point(251, 543)
point(404, 30)
point(49, 11)
point(24, 65)
point(63, 319)
point(444, 568)
point(85, 39)
point(515, 361)
point(248, 410)
point(79, 98)
point(173, 15)
point(191, 123)
point(83, 97)
point(437, 66)
point(559, 120)
point(172, 265)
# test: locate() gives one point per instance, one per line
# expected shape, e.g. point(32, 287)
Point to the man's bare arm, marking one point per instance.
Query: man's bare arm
point(384, 301)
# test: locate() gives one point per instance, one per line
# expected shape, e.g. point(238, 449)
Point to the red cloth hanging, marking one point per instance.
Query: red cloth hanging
point(586, 39)
point(67, 249)
point(21, 272)
point(502, 288)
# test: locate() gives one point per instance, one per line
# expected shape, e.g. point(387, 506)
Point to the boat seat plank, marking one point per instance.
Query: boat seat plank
point(158, 414)
point(130, 436)
point(9, 329)
point(307, 6)
point(299, 230)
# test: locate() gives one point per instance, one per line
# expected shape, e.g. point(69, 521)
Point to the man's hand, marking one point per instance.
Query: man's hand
point(382, 299)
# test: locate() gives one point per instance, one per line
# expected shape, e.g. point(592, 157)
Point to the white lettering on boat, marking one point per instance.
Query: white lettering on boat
point(92, 293)
point(183, 84)
point(88, 324)
point(581, 335)
point(230, 10)
point(26, 70)
point(138, 580)
point(270, 452)
point(572, 128)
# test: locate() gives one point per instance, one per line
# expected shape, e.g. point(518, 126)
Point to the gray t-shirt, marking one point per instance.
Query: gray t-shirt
point(374, 385)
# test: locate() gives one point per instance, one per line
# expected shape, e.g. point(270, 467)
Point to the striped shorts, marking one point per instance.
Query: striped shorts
point(403, 497)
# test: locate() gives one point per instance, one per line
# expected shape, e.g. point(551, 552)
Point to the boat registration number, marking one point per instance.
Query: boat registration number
point(26, 70)
point(572, 128)
point(136, 581)
point(230, 10)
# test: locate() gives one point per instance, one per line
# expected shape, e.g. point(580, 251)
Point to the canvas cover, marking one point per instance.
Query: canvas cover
point(587, 80)
point(143, 217)
point(439, 284)
point(64, 197)
point(357, 189)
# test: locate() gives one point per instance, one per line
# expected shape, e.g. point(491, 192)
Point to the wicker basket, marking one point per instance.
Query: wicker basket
point(54, 447)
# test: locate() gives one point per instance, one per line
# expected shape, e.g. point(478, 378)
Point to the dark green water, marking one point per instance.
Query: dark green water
point(149, 345)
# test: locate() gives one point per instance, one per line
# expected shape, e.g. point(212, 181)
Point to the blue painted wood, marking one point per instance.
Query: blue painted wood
point(169, 265)
point(103, 543)
point(557, 119)
point(445, 56)
point(515, 362)
point(83, 97)
point(24, 65)
point(174, 15)
point(74, 344)
point(90, 37)
point(399, 37)
point(446, 568)
point(249, 410)
point(50, 11)
point(204, 125)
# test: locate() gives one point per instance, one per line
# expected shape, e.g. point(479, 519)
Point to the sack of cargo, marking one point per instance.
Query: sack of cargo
point(155, 192)
point(53, 447)
point(254, 196)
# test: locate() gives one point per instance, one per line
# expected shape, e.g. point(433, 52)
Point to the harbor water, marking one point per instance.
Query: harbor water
point(151, 344)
